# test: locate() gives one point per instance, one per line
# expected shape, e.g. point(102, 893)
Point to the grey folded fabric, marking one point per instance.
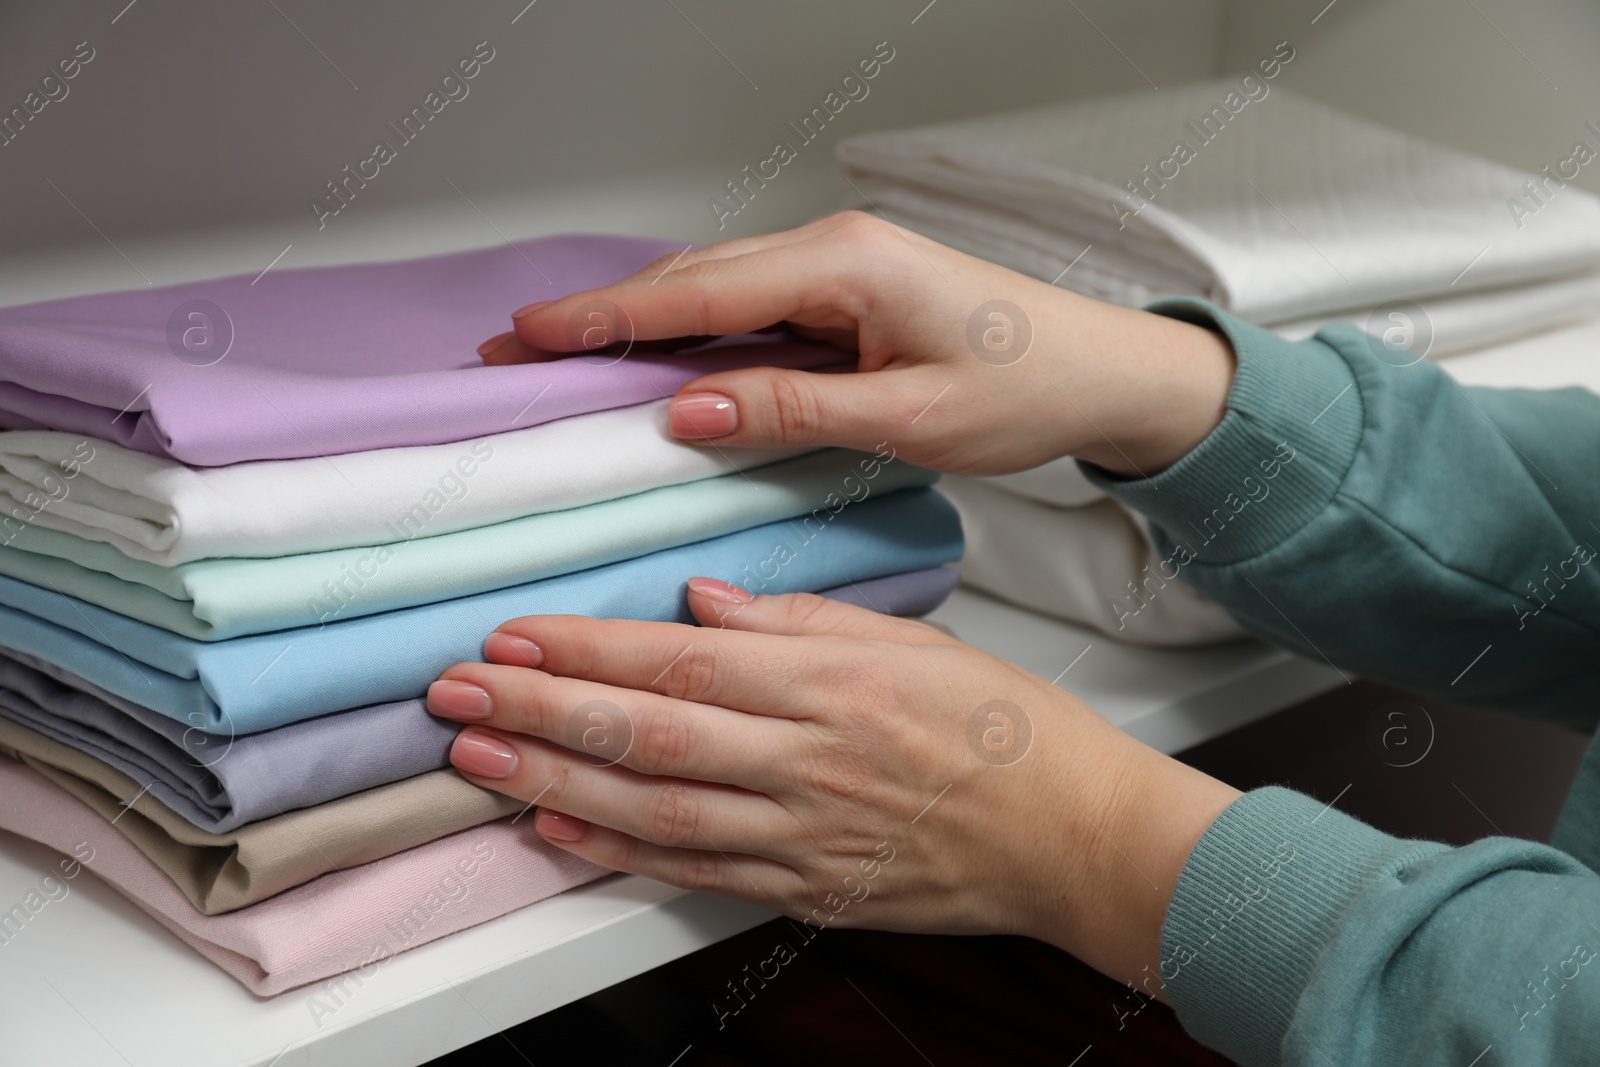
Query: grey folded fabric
point(224, 872)
point(220, 782)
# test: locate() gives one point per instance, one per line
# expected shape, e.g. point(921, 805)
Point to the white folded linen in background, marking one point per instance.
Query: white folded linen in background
point(1292, 213)
point(156, 509)
point(1060, 482)
point(1472, 320)
point(1454, 323)
point(1279, 209)
point(1093, 564)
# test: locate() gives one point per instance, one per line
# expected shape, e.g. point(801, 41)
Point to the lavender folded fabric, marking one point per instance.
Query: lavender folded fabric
point(222, 782)
point(340, 359)
point(340, 922)
point(912, 594)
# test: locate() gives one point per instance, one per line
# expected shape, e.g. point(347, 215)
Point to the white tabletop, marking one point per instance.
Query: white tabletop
point(91, 980)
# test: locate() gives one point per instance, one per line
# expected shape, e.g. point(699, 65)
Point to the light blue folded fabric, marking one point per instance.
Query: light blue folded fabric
point(254, 683)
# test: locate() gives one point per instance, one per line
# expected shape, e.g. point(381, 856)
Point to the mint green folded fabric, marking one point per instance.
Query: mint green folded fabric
point(215, 599)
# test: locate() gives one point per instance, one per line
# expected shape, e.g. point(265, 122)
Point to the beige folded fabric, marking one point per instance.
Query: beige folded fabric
point(1093, 565)
point(224, 872)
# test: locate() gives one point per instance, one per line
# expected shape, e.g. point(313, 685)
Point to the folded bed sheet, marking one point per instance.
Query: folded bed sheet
point(215, 599)
point(253, 683)
point(223, 782)
point(1093, 564)
point(1449, 322)
point(1061, 483)
point(156, 509)
point(331, 360)
point(1279, 208)
point(354, 918)
point(223, 872)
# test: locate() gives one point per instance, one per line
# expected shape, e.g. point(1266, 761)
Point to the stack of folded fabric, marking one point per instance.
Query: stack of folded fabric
point(229, 570)
point(1285, 212)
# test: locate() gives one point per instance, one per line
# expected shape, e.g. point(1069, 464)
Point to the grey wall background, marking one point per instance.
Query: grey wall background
point(199, 114)
point(211, 125)
point(1514, 80)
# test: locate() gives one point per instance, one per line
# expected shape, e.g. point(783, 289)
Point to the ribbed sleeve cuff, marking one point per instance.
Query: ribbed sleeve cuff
point(1291, 431)
point(1260, 898)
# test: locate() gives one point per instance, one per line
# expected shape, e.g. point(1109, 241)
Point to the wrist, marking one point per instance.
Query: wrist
point(1143, 389)
point(1122, 843)
point(1163, 820)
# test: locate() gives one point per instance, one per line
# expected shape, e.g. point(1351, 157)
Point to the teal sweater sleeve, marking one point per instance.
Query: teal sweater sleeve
point(1386, 520)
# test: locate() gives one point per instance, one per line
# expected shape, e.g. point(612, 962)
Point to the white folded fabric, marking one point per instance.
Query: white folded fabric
point(1453, 323)
point(1060, 483)
point(1470, 321)
point(1092, 564)
point(1285, 212)
point(159, 510)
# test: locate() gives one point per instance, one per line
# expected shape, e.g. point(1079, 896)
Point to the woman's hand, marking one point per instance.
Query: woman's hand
point(836, 765)
point(971, 368)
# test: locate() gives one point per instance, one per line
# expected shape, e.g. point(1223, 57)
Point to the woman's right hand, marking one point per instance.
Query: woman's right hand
point(964, 366)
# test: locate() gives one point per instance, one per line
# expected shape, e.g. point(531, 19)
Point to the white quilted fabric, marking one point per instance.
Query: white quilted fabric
point(1293, 213)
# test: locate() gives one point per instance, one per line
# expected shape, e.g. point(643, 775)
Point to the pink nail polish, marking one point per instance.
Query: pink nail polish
point(494, 342)
point(702, 415)
point(512, 650)
point(719, 590)
point(558, 827)
point(482, 754)
point(449, 698)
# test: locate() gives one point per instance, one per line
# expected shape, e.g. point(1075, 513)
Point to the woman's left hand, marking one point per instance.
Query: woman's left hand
point(836, 765)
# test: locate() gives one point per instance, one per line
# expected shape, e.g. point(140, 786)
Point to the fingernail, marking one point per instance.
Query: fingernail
point(531, 308)
point(558, 827)
point(506, 342)
point(702, 415)
point(719, 590)
point(495, 342)
point(510, 650)
point(462, 701)
point(479, 753)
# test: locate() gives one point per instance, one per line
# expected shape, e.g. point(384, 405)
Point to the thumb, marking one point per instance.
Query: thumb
point(718, 604)
point(767, 407)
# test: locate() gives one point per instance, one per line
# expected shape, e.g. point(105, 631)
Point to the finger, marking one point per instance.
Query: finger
point(770, 407)
point(506, 349)
point(670, 812)
point(645, 732)
point(734, 294)
point(726, 606)
point(756, 673)
point(744, 876)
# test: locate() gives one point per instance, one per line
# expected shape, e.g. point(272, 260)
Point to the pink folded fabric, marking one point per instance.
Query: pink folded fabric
point(340, 922)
